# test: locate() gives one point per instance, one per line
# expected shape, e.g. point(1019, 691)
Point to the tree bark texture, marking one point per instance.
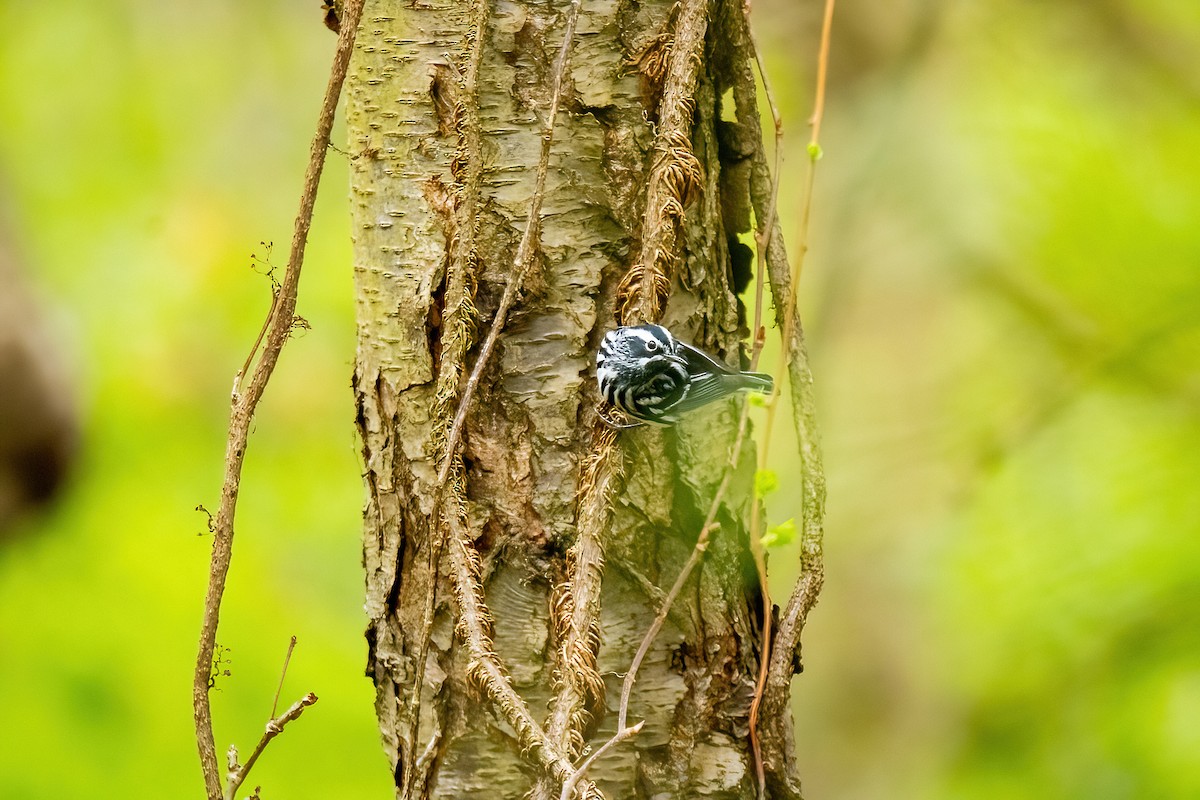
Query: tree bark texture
point(446, 112)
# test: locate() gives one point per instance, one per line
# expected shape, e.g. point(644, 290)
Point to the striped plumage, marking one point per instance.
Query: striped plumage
point(653, 377)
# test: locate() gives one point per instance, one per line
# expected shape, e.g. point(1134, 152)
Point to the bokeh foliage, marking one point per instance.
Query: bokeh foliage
point(1003, 303)
point(1004, 299)
point(148, 150)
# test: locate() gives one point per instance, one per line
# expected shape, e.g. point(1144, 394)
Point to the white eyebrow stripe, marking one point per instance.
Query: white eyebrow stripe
point(644, 335)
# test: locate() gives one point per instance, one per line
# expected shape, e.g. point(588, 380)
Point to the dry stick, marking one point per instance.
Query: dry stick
point(577, 775)
point(283, 674)
point(241, 373)
point(624, 731)
point(242, 413)
point(804, 593)
point(822, 71)
point(237, 774)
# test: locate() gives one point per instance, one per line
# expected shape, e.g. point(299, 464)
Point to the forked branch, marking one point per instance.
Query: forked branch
point(238, 772)
point(280, 321)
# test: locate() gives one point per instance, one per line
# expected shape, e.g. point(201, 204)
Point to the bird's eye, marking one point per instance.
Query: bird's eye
point(651, 346)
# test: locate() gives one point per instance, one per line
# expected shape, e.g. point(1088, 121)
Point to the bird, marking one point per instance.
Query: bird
point(646, 372)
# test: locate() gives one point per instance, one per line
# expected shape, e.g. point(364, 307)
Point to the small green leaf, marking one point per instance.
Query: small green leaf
point(814, 151)
point(765, 482)
point(779, 535)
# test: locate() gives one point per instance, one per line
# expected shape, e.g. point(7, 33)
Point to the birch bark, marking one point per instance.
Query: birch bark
point(445, 112)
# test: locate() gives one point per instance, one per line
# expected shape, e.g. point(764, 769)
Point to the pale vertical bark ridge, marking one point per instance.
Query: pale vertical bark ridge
point(458, 322)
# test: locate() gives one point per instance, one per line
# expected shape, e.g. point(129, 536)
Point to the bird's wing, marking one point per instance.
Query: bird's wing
point(699, 361)
point(703, 389)
point(709, 379)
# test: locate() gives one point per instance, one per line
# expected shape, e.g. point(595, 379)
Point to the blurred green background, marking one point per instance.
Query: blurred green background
point(1003, 305)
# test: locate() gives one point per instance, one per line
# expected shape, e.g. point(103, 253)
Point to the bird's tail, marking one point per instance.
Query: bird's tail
point(755, 382)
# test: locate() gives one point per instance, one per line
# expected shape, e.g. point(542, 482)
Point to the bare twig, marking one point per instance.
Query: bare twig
point(241, 373)
point(822, 71)
point(283, 674)
point(698, 549)
point(237, 773)
point(762, 240)
point(784, 285)
point(709, 523)
point(578, 774)
point(244, 404)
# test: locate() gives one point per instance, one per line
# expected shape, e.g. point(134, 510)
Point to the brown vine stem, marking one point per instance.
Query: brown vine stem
point(281, 318)
point(793, 356)
point(676, 173)
point(762, 242)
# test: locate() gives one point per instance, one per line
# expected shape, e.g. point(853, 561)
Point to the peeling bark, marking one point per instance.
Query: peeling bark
point(439, 201)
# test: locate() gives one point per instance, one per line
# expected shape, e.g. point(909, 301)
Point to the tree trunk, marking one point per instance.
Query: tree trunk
point(446, 110)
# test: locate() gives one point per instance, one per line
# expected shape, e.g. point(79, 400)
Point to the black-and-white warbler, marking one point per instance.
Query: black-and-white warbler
point(653, 377)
